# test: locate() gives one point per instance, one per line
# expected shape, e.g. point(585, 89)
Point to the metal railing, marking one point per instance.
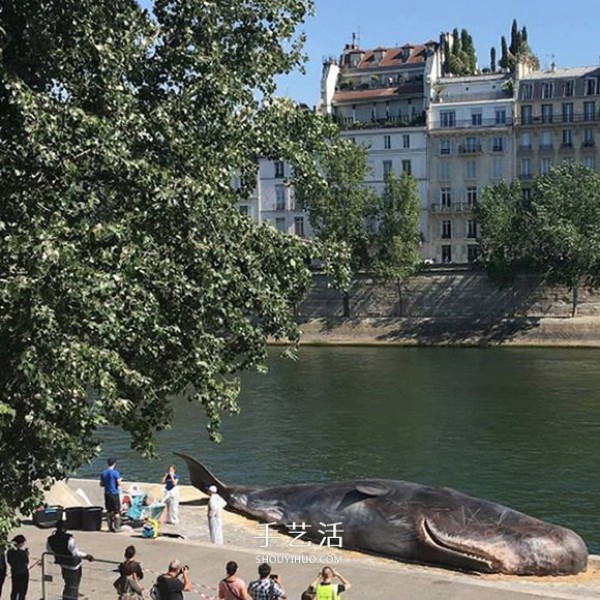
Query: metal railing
point(469, 124)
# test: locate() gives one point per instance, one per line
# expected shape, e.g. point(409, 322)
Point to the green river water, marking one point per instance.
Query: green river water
point(517, 426)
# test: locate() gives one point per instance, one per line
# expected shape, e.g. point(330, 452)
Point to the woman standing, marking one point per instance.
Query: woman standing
point(18, 559)
point(171, 495)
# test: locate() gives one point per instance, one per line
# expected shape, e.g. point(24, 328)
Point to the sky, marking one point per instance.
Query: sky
point(566, 33)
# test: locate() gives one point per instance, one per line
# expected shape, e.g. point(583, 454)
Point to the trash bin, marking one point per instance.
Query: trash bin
point(47, 516)
point(74, 517)
point(92, 518)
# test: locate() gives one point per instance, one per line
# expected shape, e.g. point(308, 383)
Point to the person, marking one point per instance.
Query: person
point(232, 587)
point(18, 559)
point(174, 582)
point(2, 570)
point(68, 556)
point(268, 587)
point(129, 584)
point(325, 588)
point(110, 480)
point(171, 494)
point(215, 515)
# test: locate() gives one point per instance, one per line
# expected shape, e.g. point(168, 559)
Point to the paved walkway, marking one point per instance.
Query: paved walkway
point(371, 577)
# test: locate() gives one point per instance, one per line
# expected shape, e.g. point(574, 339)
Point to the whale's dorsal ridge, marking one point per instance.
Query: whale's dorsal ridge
point(372, 488)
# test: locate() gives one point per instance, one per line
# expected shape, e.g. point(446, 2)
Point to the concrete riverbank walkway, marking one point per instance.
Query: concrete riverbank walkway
point(371, 577)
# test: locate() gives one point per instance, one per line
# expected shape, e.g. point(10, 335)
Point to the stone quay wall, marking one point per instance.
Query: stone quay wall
point(447, 293)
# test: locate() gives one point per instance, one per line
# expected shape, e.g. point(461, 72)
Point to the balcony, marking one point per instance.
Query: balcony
point(469, 149)
point(463, 206)
point(525, 148)
point(349, 123)
point(468, 123)
point(566, 146)
point(557, 119)
point(525, 176)
point(437, 207)
point(546, 147)
point(588, 144)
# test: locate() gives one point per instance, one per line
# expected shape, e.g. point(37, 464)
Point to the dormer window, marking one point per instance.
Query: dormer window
point(547, 89)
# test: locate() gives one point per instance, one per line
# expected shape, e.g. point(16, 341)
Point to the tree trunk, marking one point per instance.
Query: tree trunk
point(400, 298)
point(575, 299)
point(346, 305)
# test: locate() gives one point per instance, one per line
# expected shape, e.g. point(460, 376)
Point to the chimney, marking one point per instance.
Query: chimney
point(553, 67)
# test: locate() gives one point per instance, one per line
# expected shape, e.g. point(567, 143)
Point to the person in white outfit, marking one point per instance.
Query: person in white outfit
point(171, 494)
point(216, 504)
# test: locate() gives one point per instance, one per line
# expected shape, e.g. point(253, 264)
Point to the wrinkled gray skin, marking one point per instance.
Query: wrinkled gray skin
point(413, 522)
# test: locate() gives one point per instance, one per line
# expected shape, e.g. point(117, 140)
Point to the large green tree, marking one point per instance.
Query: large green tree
point(398, 238)
point(125, 266)
point(342, 207)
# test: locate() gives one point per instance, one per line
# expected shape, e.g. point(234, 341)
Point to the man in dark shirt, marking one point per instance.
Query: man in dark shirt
point(110, 480)
point(174, 582)
point(18, 559)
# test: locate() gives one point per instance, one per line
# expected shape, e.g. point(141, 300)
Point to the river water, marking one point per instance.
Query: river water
point(517, 426)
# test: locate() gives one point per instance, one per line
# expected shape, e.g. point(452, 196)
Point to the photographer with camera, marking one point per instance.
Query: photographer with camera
point(232, 587)
point(268, 587)
point(174, 582)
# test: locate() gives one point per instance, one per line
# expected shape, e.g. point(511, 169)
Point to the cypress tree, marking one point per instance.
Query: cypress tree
point(493, 59)
point(524, 35)
point(504, 53)
point(514, 37)
point(456, 42)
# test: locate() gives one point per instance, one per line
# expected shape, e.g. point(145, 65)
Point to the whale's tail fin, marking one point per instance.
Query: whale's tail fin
point(202, 478)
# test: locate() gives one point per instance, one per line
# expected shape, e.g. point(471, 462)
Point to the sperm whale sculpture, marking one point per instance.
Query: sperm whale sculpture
point(412, 522)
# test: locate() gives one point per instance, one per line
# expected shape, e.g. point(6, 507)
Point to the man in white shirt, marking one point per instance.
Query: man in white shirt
point(68, 556)
point(216, 504)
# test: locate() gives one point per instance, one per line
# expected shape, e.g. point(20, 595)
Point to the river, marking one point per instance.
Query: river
point(517, 426)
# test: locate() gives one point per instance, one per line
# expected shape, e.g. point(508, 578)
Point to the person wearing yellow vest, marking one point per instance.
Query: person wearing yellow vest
point(325, 588)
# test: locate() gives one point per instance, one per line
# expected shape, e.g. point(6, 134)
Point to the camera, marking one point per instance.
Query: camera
point(273, 576)
point(184, 568)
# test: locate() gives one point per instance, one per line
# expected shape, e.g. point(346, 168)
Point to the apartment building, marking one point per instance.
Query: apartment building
point(378, 97)
point(558, 120)
point(469, 146)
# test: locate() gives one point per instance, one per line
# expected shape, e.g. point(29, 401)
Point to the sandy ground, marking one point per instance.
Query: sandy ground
point(371, 576)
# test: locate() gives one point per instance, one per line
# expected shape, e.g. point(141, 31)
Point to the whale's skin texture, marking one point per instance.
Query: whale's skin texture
point(412, 522)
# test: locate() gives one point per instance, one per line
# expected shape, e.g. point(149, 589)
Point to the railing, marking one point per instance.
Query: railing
point(441, 97)
point(347, 123)
point(557, 118)
point(546, 147)
point(453, 207)
point(468, 123)
point(525, 176)
point(588, 144)
point(469, 149)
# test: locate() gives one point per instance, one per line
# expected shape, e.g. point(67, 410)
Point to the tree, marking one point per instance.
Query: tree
point(503, 53)
point(398, 238)
point(515, 41)
point(126, 270)
point(565, 224)
point(341, 207)
point(493, 59)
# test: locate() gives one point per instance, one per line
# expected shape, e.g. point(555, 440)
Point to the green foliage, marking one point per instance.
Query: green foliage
point(462, 59)
point(398, 238)
point(556, 233)
point(518, 50)
point(126, 270)
point(565, 226)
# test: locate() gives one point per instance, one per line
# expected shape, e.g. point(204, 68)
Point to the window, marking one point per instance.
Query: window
point(525, 143)
point(498, 168)
point(526, 194)
point(546, 113)
point(279, 170)
point(472, 144)
point(569, 88)
point(471, 169)
point(498, 144)
point(589, 110)
point(525, 172)
point(446, 253)
point(406, 140)
point(547, 89)
point(387, 142)
point(545, 165)
point(546, 143)
point(500, 116)
point(299, 226)
point(280, 224)
point(244, 209)
point(526, 91)
point(446, 230)
point(567, 138)
point(471, 196)
point(476, 118)
point(444, 146)
point(588, 138)
point(406, 167)
point(567, 112)
point(590, 162)
point(447, 118)
point(446, 197)
point(526, 114)
point(591, 85)
point(444, 170)
point(472, 252)
point(279, 197)
point(471, 228)
point(387, 168)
